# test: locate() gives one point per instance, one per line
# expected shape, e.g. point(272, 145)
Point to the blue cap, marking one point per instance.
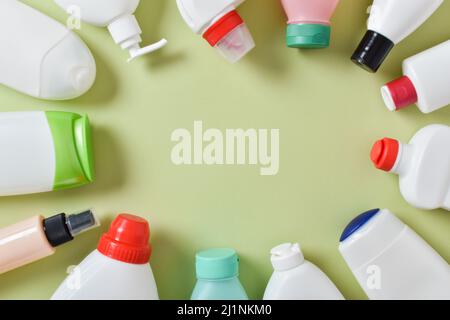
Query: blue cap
point(357, 223)
point(216, 264)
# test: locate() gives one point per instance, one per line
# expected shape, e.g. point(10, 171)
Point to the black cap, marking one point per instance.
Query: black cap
point(372, 51)
point(56, 230)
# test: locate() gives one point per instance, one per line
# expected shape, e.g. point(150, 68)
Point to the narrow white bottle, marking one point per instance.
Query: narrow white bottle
point(118, 16)
point(118, 269)
point(44, 151)
point(423, 166)
point(40, 57)
point(391, 262)
point(220, 25)
point(294, 278)
point(425, 81)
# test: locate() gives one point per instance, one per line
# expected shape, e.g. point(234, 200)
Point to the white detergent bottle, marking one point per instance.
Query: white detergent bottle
point(44, 151)
point(423, 166)
point(425, 81)
point(391, 262)
point(220, 24)
point(294, 278)
point(118, 269)
point(40, 57)
point(118, 16)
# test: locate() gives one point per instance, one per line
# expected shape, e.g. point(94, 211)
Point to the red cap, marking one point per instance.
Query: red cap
point(384, 153)
point(402, 92)
point(127, 240)
point(222, 27)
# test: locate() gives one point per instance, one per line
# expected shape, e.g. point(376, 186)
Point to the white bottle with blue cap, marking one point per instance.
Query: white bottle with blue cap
point(295, 278)
point(391, 262)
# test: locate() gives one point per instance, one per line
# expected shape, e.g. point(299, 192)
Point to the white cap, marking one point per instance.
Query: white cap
point(286, 256)
point(236, 44)
point(127, 33)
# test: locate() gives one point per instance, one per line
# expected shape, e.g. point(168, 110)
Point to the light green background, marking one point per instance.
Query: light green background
point(329, 113)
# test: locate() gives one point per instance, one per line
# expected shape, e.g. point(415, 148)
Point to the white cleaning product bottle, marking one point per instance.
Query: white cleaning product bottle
point(44, 151)
point(391, 262)
point(423, 166)
point(40, 57)
point(219, 24)
point(425, 81)
point(390, 22)
point(118, 16)
point(118, 269)
point(294, 278)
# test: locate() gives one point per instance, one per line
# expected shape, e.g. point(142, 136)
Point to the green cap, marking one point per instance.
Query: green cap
point(216, 264)
point(308, 36)
point(72, 140)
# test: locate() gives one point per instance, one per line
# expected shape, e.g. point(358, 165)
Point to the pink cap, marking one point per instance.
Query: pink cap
point(399, 93)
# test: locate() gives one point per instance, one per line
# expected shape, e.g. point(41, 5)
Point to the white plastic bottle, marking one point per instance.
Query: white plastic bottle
point(423, 166)
point(40, 57)
point(295, 278)
point(118, 269)
point(391, 262)
point(390, 22)
point(118, 16)
point(219, 24)
point(425, 82)
point(44, 151)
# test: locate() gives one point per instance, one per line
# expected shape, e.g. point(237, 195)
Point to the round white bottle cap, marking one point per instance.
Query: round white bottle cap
point(286, 256)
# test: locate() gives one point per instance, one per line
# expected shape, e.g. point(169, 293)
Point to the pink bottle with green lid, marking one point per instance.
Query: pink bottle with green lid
point(44, 151)
point(309, 22)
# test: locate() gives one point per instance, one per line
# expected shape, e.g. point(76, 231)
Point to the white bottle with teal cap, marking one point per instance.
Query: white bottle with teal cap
point(44, 151)
point(217, 276)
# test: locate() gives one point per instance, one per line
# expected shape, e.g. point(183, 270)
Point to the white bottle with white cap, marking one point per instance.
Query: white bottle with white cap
point(219, 24)
point(391, 262)
point(425, 81)
point(295, 278)
point(40, 57)
point(118, 16)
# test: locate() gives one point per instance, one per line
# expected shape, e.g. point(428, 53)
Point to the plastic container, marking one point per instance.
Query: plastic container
point(36, 238)
point(425, 81)
point(40, 57)
point(391, 262)
point(389, 23)
point(423, 166)
point(309, 22)
point(294, 278)
point(220, 25)
point(118, 269)
point(217, 276)
point(44, 151)
point(118, 16)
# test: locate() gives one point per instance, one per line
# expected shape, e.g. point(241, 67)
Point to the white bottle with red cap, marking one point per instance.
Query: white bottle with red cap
point(294, 278)
point(423, 166)
point(425, 82)
point(118, 269)
point(219, 24)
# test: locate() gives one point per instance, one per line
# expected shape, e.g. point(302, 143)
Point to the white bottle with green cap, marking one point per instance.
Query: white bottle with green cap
point(294, 278)
point(44, 151)
point(217, 276)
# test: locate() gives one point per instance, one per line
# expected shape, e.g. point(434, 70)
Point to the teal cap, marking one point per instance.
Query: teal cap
point(216, 264)
point(308, 36)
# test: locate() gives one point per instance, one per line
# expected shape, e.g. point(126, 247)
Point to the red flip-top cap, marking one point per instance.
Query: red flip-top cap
point(384, 153)
point(127, 240)
point(222, 27)
point(400, 92)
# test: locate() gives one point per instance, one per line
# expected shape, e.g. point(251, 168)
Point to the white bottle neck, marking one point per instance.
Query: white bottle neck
point(403, 163)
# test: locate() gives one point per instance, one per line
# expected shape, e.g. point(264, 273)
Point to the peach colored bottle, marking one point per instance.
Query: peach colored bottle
point(309, 22)
point(36, 238)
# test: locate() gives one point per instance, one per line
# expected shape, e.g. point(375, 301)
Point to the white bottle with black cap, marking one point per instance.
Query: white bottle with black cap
point(295, 278)
point(391, 261)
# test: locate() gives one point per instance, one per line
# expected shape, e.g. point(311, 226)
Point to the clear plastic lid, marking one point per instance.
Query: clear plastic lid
point(236, 44)
point(81, 222)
